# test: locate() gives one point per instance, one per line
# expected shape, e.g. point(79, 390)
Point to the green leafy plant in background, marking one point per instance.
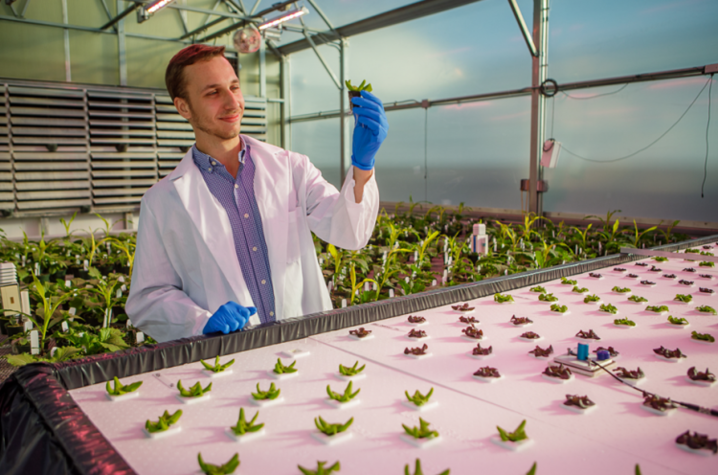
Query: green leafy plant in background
point(226, 469)
point(104, 289)
point(677, 320)
point(164, 422)
point(351, 370)
point(635, 239)
point(361, 87)
point(194, 391)
point(515, 436)
point(331, 429)
point(421, 432)
point(279, 368)
point(419, 471)
point(608, 308)
point(683, 298)
point(271, 393)
point(637, 299)
point(321, 469)
point(419, 399)
point(346, 397)
point(119, 389)
point(216, 368)
point(61, 354)
point(244, 427)
point(706, 309)
point(45, 318)
point(657, 308)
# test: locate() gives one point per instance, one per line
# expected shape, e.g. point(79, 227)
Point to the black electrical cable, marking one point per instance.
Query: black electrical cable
point(597, 95)
point(692, 407)
point(650, 144)
point(708, 125)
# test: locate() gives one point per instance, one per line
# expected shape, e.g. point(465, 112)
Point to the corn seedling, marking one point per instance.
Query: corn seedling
point(119, 389)
point(321, 469)
point(548, 298)
point(211, 469)
point(216, 368)
point(637, 235)
point(164, 423)
point(421, 432)
point(279, 368)
point(503, 298)
point(677, 320)
point(244, 427)
point(271, 393)
point(515, 436)
point(419, 471)
point(656, 308)
point(331, 429)
point(419, 399)
point(195, 391)
point(346, 397)
point(608, 308)
point(351, 371)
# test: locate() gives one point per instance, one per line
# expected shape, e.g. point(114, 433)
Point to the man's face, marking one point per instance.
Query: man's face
point(214, 104)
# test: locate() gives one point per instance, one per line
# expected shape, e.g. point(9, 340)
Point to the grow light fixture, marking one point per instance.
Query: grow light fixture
point(144, 13)
point(281, 19)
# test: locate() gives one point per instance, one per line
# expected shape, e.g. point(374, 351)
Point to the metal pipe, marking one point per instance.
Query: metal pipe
point(119, 17)
point(321, 14)
point(202, 28)
point(321, 59)
point(524, 29)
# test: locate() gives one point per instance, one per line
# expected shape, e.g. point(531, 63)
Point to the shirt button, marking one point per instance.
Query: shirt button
point(254, 248)
point(214, 163)
point(264, 281)
point(209, 169)
point(271, 314)
point(246, 215)
point(236, 185)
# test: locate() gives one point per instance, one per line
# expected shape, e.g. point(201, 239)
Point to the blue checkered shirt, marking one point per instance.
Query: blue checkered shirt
point(238, 200)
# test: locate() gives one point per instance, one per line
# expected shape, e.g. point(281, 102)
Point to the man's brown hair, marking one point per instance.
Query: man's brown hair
point(174, 76)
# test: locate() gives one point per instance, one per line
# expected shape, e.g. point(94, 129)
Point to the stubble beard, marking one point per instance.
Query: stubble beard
point(205, 126)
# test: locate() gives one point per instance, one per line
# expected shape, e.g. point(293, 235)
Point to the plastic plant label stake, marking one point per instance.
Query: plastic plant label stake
point(35, 342)
point(72, 311)
point(140, 337)
point(64, 327)
point(25, 302)
point(27, 325)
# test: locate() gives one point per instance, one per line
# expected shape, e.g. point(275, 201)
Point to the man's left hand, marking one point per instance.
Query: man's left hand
point(370, 129)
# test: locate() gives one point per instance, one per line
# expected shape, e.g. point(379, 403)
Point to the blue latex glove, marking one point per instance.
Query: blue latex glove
point(370, 129)
point(228, 318)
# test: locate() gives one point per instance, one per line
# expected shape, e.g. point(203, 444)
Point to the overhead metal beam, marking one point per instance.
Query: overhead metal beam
point(254, 18)
point(393, 17)
point(321, 14)
point(119, 17)
point(107, 12)
point(524, 29)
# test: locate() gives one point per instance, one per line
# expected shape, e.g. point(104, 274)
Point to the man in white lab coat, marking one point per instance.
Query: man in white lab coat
point(224, 240)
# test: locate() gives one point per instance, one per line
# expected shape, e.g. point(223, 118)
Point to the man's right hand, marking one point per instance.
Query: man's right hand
point(228, 318)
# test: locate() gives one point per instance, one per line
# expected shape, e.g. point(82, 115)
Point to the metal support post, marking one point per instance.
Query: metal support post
point(286, 102)
point(344, 122)
point(538, 101)
point(66, 34)
point(121, 52)
point(262, 69)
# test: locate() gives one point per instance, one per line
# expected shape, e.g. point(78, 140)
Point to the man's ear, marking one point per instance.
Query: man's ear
point(183, 107)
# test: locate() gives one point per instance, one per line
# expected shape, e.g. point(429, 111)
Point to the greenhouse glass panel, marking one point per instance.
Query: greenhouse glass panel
point(319, 140)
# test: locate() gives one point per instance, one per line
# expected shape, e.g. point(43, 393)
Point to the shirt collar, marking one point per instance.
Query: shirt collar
point(207, 163)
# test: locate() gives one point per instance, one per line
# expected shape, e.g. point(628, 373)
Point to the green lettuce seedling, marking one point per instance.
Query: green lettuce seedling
point(702, 336)
point(351, 371)
point(656, 308)
point(346, 397)
point(677, 320)
point(418, 399)
point(539, 289)
point(164, 423)
point(361, 87)
point(683, 298)
point(707, 264)
point(608, 308)
point(532, 471)
point(515, 436)
point(225, 469)
point(706, 309)
point(331, 429)
point(579, 290)
point(566, 281)
point(624, 321)
point(419, 471)
point(503, 298)
point(591, 298)
point(706, 253)
point(320, 469)
point(271, 393)
point(244, 427)
point(217, 368)
point(559, 308)
point(623, 290)
point(660, 259)
point(636, 298)
point(119, 389)
point(195, 391)
point(279, 368)
point(692, 251)
point(547, 298)
point(421, 432)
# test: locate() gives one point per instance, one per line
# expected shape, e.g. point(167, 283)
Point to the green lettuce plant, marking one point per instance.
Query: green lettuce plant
point(683, 298)
point(637, 299)
point(421, 432)
point(608, 308)
point(537, 289)
point(346, 397)
point(351, 371)
point(579, 290)
point(547, 298)
point(331, 429)
point(567, 281)
point(591, 298)
point(706, 309)
point(515, 436)
point(244, 427)
point(559, 308)
point(321, 469)
point(195, 391)
point(226, 469)
point(279, 368)
point(702, 336)
point(656, 308)
point(503, 298)
point(419, 471)
point(677, 320)
point(419, 399)
point(164, 422)
point(217, 368)
point(119, 389)
point(623, 290)
point(624, 321)
point(361, 87)
point(272, 393)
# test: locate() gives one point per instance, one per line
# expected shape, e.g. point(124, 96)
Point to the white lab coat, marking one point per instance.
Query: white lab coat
point(186, 266)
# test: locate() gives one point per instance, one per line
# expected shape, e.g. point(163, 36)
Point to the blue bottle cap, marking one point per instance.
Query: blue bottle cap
point(603, 355)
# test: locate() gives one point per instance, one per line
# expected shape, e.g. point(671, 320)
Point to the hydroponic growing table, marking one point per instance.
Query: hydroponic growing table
point(611, 438)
